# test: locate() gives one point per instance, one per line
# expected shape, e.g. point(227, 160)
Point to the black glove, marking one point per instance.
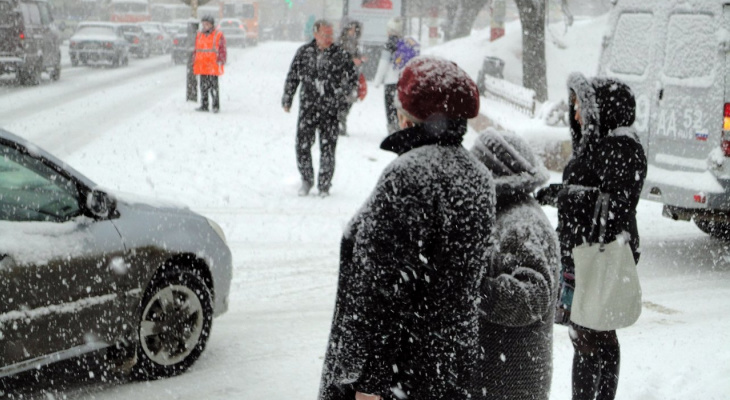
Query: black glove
point(548, 196)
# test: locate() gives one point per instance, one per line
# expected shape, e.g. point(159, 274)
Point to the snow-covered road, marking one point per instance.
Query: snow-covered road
point(130, 129)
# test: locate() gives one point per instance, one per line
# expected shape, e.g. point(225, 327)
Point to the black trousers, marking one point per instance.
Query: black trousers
point(327, 124)
point(209, 86)
point(390, 111)
point(596, 363)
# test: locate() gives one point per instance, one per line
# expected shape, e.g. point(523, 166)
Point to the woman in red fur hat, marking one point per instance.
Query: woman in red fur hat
point(411, 260)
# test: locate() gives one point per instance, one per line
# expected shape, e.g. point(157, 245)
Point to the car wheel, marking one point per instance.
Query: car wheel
point(32, 75)
point(175, 321)
point(125, 61)
point(56, 72)
point(718, 230)
point(116, 60)
point(74, 62)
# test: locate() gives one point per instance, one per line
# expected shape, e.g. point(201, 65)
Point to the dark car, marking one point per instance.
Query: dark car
point(84, 269)
point(161, 40)
point(29, 40)
point(183, 42)
point(139, 42)
point(234, 31)
point(99, 41)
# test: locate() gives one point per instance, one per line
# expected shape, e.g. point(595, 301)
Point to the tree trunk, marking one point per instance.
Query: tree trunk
point(534, 66)
point(461, 15)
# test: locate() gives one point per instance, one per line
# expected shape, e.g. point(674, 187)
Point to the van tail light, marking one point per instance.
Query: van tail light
point(175, 42)
point(700, 198)
point(22, 37)
point(725, 144)
point(108, 45)
point(136, 40)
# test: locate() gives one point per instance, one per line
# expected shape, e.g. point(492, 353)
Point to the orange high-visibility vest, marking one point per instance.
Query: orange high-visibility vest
point(206, 54)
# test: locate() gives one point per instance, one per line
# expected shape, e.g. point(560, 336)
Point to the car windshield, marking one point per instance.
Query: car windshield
point(95, 31)
point(130, 29)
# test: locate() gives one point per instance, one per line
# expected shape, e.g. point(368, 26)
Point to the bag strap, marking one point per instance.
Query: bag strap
point(601, 209)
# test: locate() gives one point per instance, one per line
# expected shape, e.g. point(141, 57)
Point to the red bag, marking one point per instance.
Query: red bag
point(362, 87)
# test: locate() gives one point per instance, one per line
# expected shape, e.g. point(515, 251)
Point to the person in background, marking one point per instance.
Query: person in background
point(209, 58)
point(406, 316)
point(396, 53)
point(607, 158)
point(350, 42)
point(519, 289)
point(328, 76)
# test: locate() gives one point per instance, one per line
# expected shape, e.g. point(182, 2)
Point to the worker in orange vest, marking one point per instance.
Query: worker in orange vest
point(208, 60)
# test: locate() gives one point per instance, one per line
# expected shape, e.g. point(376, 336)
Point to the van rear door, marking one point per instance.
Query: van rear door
point(690, 94)
point(628, 56)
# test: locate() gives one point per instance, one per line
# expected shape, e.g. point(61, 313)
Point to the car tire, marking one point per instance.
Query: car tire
point(176, 316)
point(74, 62)
point(56, 71)
point(718, 230)
point(31, 76)
point(116, 60)
point(125, 61)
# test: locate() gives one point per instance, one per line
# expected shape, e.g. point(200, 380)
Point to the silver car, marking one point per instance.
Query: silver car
point(83, 269)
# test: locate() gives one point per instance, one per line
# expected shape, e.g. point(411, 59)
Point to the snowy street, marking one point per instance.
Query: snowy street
point(130, 129)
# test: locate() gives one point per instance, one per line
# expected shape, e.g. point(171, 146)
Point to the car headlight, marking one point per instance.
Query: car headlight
point(217, 228)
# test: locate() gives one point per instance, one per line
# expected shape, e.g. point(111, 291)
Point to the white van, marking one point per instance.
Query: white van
point(674, 55)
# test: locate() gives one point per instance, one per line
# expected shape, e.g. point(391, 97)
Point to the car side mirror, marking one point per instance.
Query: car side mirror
point(100, 204)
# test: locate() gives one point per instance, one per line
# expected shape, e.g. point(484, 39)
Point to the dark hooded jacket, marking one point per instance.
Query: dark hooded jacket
point(411, 260)
point(607, 158)
point(328, 78)
point(519, 288)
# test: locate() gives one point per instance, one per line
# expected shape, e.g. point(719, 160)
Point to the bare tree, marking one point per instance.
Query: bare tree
point(534, 66)
point(460, 17)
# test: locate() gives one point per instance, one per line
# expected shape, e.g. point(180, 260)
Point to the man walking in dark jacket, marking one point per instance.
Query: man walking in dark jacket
point(328, 78)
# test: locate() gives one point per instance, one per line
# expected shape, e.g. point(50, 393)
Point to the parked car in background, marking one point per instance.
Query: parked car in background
point(234, 31)
point(182, 43)
point(139, 42)
point(29, 40)
point(161, 40)
point(84, 269)
point(98, 41)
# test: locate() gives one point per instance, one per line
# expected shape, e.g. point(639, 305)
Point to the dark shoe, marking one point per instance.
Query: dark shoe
point(305, 188)
point(215, 111)
point(201, 109)
point(324, 193)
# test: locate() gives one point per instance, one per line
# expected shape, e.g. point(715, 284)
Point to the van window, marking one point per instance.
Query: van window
point(31, 14)
point(632, 44)
point(691, 46)
point(8, 15)
point(45, 14)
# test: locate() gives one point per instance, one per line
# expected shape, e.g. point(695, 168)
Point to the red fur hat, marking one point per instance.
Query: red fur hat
point(434, 88)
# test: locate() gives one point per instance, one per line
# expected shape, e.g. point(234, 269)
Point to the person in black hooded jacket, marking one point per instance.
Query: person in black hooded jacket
point(607, 158)
point(406, 316)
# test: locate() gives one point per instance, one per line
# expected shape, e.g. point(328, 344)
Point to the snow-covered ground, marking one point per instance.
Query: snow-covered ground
point(130, 129)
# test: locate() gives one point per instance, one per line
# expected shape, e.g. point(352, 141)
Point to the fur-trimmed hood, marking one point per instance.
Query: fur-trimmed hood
point(605, 105)
point(514, 166)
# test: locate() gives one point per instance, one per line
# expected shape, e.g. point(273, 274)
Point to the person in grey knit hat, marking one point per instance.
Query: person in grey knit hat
point(519, 287)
